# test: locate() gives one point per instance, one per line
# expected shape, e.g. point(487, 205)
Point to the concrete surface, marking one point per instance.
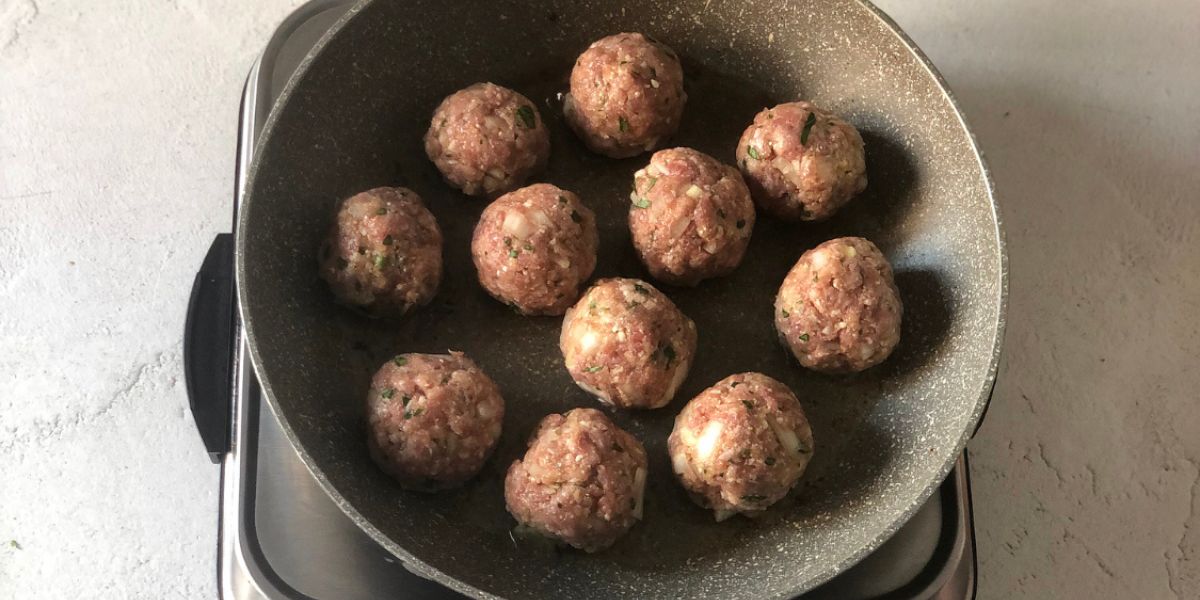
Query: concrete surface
point(117, 130)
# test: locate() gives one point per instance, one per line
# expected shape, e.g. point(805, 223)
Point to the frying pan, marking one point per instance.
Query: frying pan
point(352, 118)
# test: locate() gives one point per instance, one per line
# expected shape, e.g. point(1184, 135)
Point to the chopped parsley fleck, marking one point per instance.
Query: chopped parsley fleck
point(804, 337)
point(592, 305)
point(388, 393)
point(400, 361)
point(622, 124)
point(740, 223)
point(594, 368)
point(528, 247)
point(508, 242)
point(754, 498)
point(752, 151)
point(770, 460)
point(650, 186)
point(15, 544)
point(381, 261)
point(525, 114)
point(576, 217)
point(408, 414)
point(513, 253)
point(808, 125)
point(749, 405)
point(641, 202)
point(641, 289)
point(405, 399)
point(382, 210)
point(387, 241)
point(784, 312)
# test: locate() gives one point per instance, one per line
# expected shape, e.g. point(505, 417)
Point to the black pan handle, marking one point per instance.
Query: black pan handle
point(208, 347)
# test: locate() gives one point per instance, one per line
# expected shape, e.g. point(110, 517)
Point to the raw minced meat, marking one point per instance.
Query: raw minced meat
point(383, 253)
point(802, 162)
point(741, 445)
point(487, 139)
point(628, 344)
point(690, 216)
point(534, 248)
point(432, 420)
point(581, 482)
point(838, 309)
point(626, 95)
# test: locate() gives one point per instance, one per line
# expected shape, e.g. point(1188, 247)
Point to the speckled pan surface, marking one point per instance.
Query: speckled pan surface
point(353, 117)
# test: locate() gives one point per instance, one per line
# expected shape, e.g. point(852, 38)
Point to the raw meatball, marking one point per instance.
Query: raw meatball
point(741, 445)
point(801, 162)
point(534, 248)
point(838, 309)
point(691, 216)
point(581, 481)
point(487, 139)
point(383, 253)
point(432, 420)
point(626, 95)
point(628, 344)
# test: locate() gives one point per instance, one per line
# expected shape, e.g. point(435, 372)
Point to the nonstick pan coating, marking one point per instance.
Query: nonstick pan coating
point(353, 117)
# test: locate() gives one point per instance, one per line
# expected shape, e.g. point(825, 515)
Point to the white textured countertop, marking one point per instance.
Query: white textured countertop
point(117, 133)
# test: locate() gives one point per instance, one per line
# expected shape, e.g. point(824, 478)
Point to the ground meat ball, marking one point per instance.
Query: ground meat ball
point(838, 309)
point(383, 253)
point(628, 344)
point(691, 216)
point(626, 95)
point(581, 482)
point(487, 139)
point(534, 248)
point(432, 420)
point(801, 162)
point(741, 445)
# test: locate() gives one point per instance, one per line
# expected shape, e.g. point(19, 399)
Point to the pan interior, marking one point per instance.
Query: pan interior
point(354, 119)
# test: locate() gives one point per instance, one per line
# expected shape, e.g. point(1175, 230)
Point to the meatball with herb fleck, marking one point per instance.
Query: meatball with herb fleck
point(801, 162)
point(581, 482)
point(534, 248)
point(690, 216)
point(628, 344)
point(838, 309)
point(741, 445)
point(432, 419)
point(383, 253)
point(487, 139)
point(626, 95)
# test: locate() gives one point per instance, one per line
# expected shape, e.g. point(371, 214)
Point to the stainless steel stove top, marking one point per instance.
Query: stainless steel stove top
point(282, 537)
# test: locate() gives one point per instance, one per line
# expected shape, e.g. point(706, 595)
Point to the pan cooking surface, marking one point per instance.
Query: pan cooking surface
point(884, 438)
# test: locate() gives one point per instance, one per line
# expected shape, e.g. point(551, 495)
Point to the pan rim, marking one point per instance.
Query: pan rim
point(420, 567)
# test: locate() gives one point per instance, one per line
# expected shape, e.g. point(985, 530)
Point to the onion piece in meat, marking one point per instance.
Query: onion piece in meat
point(516, 225)
point(787, 438)
point(639, 492)
point(708, 440)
